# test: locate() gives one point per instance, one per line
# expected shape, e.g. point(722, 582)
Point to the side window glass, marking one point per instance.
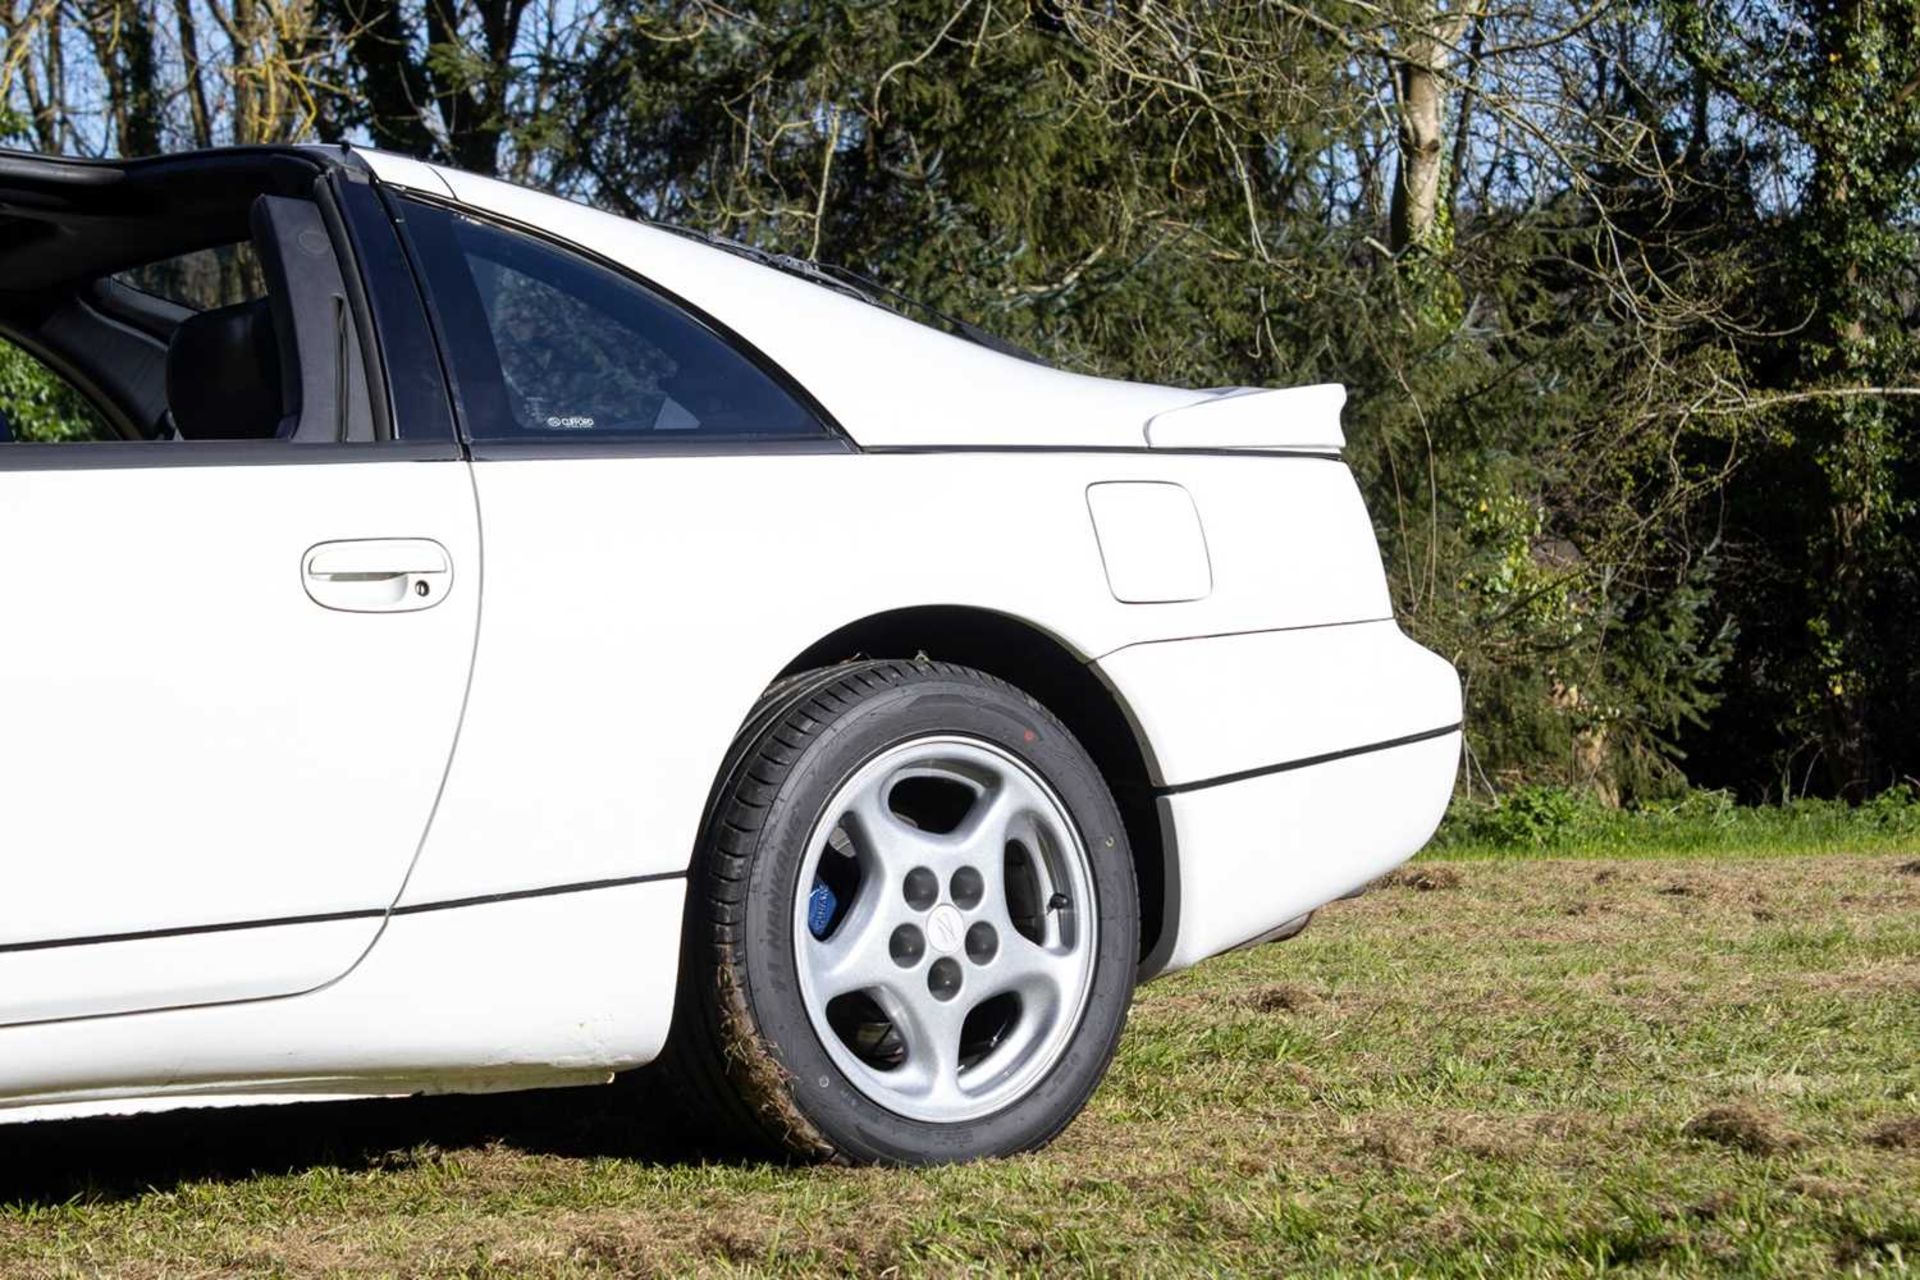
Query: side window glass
point(250, 340)
point(38, 406)
point(567, 348)
point(204, 279)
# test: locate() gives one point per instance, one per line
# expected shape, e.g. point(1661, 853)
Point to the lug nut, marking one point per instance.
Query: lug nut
point(906, 946)
point(922, 887)
point(967, 887)
point(943, 979)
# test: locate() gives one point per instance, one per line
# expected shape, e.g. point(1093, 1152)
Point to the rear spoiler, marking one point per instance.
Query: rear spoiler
point(1305, 419)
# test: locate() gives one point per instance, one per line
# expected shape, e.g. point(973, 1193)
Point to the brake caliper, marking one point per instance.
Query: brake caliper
point(821, 908)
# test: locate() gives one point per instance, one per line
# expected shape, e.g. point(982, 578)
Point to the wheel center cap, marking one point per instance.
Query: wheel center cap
point(945, 928)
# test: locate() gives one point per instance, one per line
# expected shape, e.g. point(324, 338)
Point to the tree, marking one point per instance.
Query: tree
point(1826, 529)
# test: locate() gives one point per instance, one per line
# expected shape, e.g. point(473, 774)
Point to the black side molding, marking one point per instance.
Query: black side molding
point(330, 917)
point(1310, 761)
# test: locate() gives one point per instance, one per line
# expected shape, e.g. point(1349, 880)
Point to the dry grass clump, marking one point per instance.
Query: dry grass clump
point(1716, 1204)
point(1897, 1135)
point(1424, 878)
point(1391, 1144)
point(1281, 997)
point(1744, 1128)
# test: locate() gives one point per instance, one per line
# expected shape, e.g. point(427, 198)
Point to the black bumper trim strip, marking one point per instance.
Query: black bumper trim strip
point(1310, 761)
point(332, 917)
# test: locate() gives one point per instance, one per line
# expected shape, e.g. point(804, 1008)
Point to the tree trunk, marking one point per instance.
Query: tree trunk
point(1853, 460)
point(1420, 64)
point(199, 114)
point(140, 121)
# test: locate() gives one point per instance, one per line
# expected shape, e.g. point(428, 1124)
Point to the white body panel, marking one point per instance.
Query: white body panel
point(1256, 853)
point(269, 758)
point(1151, 542)
point(1301, 764)
point(590, 646)
point(504, 995)
point(499, 863)
point(1230, 703)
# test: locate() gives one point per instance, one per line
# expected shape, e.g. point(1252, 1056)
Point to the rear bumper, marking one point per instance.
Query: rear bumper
point(1291, 767)
point(1249, 856)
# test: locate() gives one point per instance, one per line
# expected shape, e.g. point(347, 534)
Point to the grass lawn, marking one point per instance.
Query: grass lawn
point(1512, 1066)
point(1532, 821)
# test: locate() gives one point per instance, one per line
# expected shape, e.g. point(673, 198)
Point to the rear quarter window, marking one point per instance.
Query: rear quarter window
point(552, 345)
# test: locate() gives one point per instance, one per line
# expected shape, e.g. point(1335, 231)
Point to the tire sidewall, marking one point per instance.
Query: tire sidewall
point(934, 704)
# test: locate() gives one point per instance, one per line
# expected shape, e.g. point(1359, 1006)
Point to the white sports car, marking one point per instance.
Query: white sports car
point(474, 642)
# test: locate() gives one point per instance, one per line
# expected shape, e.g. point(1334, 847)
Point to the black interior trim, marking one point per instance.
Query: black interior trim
point(1310, 761)
point(67, 224)
point(52, 208)
point(331, 917)
point(85, 365)
point(380, 395)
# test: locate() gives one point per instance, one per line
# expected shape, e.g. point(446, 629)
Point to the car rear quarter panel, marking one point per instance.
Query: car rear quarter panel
point(634, 608)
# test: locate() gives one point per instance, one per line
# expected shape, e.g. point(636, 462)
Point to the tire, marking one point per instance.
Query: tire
point(960, 987)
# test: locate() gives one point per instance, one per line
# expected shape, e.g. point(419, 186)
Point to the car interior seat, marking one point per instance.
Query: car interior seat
point(224, 378)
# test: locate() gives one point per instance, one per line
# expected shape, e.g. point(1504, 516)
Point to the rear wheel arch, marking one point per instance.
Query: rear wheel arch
point(1040, 664)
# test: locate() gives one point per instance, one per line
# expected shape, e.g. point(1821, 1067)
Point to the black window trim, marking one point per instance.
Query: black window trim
point(425, 406)
point(833, 439)
point(112, 455)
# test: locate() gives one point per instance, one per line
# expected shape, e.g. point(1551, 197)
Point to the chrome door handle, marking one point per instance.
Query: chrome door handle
point(377, 575)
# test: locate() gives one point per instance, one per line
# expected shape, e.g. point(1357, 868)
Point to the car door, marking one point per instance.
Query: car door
point(231, 671)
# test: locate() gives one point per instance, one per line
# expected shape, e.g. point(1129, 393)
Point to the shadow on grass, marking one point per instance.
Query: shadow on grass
point(54, 1162)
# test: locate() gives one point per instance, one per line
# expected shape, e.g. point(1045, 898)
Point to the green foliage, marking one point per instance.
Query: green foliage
point(1823, 683)
point(40, 406)
point(1529, 818)
point(1564, 823)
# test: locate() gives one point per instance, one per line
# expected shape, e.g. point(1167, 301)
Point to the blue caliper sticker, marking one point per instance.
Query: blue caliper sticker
point(820, 908)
